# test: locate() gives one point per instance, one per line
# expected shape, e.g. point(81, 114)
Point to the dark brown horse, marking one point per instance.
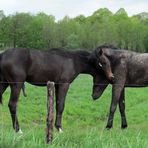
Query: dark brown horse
point(37, 67)
point(130, 70)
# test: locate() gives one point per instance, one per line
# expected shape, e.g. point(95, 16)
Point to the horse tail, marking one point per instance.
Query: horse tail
point(0, 77)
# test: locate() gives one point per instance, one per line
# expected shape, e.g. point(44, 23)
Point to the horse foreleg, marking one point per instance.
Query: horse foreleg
point(116, 93)
point(61, 91)
point(122, 110)
point(15, 92)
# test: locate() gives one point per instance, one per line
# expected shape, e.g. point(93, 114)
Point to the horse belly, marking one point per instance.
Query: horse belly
point(138, 70)
point(140, 79)
point(41, 76)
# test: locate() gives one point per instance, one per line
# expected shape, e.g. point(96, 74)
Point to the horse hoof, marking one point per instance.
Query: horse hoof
point(20, 131)
point(108, 127)
point(123, 126)
point(60, 130)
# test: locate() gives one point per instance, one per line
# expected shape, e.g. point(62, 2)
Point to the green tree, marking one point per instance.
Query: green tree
point(42, 31)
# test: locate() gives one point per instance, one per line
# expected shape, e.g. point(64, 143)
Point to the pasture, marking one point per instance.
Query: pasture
point(84, 120)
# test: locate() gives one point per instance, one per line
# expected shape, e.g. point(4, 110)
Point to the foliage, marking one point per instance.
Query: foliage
point(43, 31)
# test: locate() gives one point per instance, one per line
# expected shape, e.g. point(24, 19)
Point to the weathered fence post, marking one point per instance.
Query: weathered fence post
point(50, 111)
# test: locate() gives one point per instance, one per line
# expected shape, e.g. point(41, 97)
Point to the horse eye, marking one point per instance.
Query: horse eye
point(100, 64)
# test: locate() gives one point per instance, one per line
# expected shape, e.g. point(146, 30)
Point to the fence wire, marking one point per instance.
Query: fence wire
point(82, 83)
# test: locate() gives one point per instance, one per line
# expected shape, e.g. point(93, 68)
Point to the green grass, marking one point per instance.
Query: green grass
point(84, 120)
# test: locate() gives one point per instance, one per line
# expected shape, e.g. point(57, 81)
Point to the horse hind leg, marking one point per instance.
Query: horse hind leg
point(3, 87)
point(61, 91)
point(14, 96)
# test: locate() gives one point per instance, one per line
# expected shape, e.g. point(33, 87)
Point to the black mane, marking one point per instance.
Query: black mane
point(107, 46)
point(69, 53)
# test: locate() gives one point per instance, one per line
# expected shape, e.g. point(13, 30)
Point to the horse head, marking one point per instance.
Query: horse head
point(99, 85)
point(103, 61)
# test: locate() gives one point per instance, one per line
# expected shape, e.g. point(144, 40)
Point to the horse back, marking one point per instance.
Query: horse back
point(36, 66)
point(46, 65)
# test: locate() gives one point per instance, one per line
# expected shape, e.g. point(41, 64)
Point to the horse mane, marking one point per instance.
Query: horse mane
point(107, 46)
point(65, 52)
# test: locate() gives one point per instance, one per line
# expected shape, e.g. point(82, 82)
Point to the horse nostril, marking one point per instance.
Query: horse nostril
point(111, 79)
point(112, 76)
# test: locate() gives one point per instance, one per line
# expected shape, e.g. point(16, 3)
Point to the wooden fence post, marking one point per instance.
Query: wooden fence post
point(50, 112)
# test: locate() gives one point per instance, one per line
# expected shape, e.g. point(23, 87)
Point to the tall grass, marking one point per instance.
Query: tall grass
point(84, 120)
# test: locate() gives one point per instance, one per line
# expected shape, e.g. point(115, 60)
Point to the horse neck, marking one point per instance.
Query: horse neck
point(84, 66)
point(114, 56)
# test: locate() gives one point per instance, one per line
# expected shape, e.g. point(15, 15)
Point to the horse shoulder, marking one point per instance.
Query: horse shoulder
point(68, 69)
point(120, 69)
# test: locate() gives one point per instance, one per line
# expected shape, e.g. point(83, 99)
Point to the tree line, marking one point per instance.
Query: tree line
point(42, 31)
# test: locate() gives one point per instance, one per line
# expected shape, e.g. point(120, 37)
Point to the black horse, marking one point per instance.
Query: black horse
point(130, 70)
point(37, 67)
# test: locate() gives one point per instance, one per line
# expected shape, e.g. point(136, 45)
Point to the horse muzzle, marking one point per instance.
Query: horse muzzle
point(95, 97)
point(111, 78)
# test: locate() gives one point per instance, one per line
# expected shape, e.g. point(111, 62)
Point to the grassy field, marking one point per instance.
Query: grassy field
point(84, 120)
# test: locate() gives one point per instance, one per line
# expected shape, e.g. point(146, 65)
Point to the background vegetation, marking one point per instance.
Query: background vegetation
point(43, 31)
point(84, 120)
